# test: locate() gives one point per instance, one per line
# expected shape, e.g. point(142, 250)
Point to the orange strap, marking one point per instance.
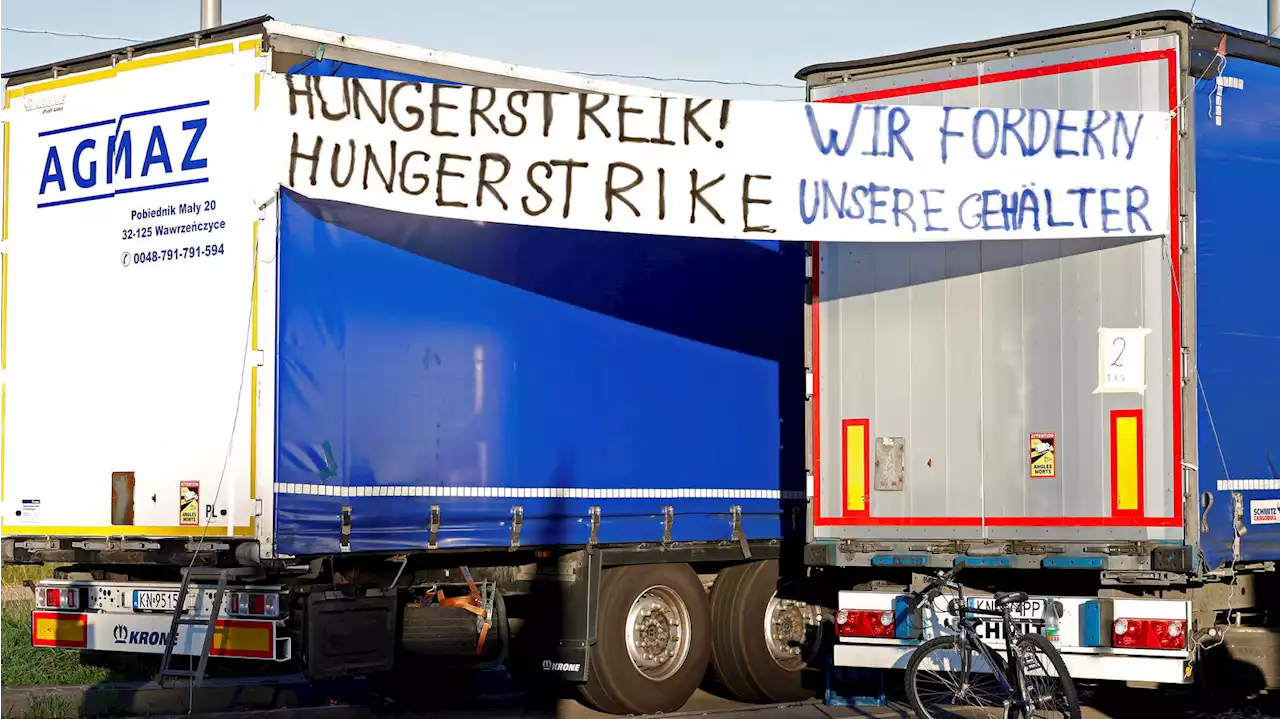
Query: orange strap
point(478, 603)
point(472, 602)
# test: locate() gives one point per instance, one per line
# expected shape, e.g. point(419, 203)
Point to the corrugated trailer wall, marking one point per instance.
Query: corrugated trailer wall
point(938, 362)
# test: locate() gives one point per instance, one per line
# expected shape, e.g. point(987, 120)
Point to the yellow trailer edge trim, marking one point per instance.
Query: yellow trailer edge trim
point(120, 530)
point(127, 65)
point(253, 385)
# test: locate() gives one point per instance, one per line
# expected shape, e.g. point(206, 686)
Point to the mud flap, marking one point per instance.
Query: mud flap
point(581, 612)
point(348, 636)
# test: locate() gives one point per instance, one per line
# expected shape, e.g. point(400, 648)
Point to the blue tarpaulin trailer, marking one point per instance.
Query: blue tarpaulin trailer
point(369, 435)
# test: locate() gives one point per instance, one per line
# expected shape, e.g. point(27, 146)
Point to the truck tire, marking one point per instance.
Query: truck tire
point(653, 640)
point(747, 621)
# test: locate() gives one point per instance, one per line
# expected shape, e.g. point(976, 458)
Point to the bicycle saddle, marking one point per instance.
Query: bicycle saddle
point(1006, 598)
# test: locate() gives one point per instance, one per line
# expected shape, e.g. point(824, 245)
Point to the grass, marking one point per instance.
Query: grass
point(14, 575)
point(52, 707)
point(26, 665)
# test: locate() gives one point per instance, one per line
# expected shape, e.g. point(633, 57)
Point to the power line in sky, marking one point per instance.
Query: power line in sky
point(56, 33)
point(696, 80)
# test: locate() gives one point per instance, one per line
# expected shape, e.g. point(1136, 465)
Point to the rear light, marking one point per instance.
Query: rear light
point(253, 604)
point(1150, 634)
point(59, 597)
point(864, 623)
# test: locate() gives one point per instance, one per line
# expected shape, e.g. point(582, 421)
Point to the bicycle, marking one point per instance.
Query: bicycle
point(1033, 682)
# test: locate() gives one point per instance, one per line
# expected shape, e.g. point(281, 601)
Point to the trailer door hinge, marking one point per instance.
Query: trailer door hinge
point(433, 527)
point(738, 535)
point(1186, 365)
point(517, 523)
point(808, 384)
point(594, 538)
point(668, 519)
point(257, 507)
point(345, 539)
point(259, 357)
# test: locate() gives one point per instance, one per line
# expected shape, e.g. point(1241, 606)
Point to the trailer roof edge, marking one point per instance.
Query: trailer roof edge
point(1178, 16)
point(78, 64)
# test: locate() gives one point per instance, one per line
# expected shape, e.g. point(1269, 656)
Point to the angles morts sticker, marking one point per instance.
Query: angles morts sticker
point(1043, 455)
point(189, 504)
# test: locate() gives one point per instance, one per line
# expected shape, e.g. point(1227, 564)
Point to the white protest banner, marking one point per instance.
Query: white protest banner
point(719, 168)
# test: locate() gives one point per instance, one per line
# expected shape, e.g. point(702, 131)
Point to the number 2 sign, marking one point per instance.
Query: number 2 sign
point(1122, 359)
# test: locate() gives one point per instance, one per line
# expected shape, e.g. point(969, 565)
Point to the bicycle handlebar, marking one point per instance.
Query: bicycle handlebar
point(936, 584)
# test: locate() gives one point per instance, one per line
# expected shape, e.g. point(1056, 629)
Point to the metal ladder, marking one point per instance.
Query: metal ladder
point(180, 618)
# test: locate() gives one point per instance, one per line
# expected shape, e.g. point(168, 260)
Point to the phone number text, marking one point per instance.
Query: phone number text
point(170, 254)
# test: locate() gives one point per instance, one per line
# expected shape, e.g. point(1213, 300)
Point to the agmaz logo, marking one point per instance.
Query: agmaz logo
point(135, 152)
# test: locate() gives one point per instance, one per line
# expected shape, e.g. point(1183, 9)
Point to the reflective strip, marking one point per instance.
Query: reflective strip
point(1126, 461)
point(241, 638)
point(58, 629)
point(1247, 484)
point(330, 490)
point(856, 442)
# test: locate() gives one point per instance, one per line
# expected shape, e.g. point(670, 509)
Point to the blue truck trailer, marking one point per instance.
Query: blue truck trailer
point(973, 428)
point(392, 435)
point(374, 438)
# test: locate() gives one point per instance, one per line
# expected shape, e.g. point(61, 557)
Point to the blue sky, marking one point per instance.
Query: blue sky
point(747, 40)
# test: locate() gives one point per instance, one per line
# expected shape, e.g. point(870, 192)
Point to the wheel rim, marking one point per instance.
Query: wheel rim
point(786, 623)
point(657, 635)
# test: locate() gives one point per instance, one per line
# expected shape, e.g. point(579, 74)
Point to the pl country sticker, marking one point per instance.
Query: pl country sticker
point(1043, 455)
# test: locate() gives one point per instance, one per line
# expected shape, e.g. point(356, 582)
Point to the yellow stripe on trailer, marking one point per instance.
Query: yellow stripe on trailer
point(119, 530)
point(855, 464)
point(1126, 462)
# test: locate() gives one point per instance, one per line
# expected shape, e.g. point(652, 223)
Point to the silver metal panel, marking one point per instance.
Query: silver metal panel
point(928, 355)
point(963, 372)
point(891, 464)
point(1003, 445)
point(963, 349)
point(1043, 345)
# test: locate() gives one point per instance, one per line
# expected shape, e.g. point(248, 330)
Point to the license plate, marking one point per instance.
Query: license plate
point(1033, 608)
point(154, 600)
point(1027, 617)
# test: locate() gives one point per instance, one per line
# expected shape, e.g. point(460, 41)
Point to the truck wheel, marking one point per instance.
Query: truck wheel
point(653, 640)
point(761, 642)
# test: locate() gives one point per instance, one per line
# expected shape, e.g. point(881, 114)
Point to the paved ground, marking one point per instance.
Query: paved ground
point(441, 695)
point(1117, 703)
point(1133, 703)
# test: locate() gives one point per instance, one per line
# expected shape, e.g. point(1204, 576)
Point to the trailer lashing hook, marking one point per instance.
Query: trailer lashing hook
point(738, 535)
point(433, 527)
point(517, 524)
point(344, 539)
point(593, 539)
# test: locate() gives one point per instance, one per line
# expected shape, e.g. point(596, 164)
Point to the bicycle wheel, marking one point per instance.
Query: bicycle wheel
point(1050, 690)
point(938, 684)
